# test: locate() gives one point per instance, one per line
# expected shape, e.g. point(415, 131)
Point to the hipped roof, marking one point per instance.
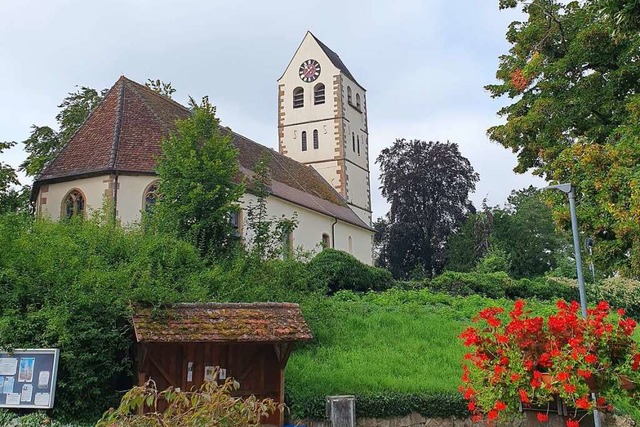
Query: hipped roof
point(124, 132)
point(222, 323)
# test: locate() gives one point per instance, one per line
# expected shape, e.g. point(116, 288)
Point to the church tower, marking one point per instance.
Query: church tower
point(322, 122)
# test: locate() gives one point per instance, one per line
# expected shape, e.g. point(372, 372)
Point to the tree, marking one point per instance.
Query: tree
point(268, 235)
point(574, 77)
point(160, 87)
point(525, 232)
point(44, 143)
point(12, 199)
point(470, 243)
point(197, 190)
point(427, 185)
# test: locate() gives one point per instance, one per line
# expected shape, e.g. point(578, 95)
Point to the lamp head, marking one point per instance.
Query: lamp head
point(565, 188)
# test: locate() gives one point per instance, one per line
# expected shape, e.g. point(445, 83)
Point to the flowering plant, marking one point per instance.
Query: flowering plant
point(517, 358)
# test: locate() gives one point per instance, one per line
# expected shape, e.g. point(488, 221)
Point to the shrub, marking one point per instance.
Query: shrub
point(500, 285)
point(491, 285)
point(619, 292)
point(385, 405)
point(71, 285)
point(337, 270)
point(210, 405)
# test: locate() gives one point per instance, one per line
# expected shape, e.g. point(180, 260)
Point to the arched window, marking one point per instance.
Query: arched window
point(353, 141)
point(73, 204)
point(236, 222)
point(304, 140)
point(150, 196)
point(298, 97)
point(326, 241)
point(358, 101)
point(350, 245)
point(315, 139)
point(358, 140)
point(318, 94)
point(349, 95)
point(287, 245)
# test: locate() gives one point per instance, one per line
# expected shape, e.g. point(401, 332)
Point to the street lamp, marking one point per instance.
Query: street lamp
point(569, 190)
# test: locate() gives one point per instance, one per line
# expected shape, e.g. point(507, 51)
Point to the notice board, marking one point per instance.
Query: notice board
point(28, 378)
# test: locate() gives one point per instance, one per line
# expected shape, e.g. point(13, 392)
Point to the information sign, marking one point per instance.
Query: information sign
point(28, 378)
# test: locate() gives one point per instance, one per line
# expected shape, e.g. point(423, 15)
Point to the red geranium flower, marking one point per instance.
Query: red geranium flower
point(543, 418)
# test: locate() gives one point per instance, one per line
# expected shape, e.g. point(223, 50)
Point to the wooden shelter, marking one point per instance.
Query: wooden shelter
point(252, 342)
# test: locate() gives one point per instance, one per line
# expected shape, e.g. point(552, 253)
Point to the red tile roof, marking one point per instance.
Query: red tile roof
point(124, 133)
point(215, 322)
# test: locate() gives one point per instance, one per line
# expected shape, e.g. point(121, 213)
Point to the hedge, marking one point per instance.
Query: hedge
point(500, 285)
point(433, 405)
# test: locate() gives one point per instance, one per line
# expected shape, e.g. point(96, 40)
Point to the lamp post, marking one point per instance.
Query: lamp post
point(569, 190)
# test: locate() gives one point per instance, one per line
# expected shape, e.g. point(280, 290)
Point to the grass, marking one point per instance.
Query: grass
point(396, 341)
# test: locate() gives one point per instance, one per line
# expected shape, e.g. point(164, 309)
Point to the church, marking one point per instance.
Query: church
point(320, 172)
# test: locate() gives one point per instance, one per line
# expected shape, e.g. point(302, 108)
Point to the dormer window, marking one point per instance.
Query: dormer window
point(349, 95)
point(318, 94)
point(304, 140)
point(298, 97)
point(358, 101)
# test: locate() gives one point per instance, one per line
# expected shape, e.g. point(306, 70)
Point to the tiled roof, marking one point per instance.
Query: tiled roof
point(123, 134)
point(335, 59)
point(215, 322)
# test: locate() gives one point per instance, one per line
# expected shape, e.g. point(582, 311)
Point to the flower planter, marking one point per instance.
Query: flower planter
point(558, 414)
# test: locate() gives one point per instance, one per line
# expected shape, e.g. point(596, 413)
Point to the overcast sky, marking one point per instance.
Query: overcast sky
point(423, 63)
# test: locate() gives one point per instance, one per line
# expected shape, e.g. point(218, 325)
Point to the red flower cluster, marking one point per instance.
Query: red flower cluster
point(528, 358)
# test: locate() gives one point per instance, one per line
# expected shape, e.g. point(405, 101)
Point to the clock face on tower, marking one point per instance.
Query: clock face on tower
point(309, 70)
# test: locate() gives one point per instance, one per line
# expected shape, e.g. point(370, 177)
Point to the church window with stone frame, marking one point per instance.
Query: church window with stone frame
point(304, 140)
point(287, 245)
point(349, 95)
point(358, 101)
point(318, 94)
point(316, 143)
point(73, 204)
point(150, 196)
point(298, 97)
point(353, 141)
point(326, 241)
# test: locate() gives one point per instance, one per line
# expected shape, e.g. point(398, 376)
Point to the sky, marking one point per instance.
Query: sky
point(424, 64)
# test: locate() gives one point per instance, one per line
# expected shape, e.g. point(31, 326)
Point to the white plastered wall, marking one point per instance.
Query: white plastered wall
point(131, 192)
point(50, 196)
point(312, 225)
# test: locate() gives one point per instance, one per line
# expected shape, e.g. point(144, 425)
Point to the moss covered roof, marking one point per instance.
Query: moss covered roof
point(216, 322)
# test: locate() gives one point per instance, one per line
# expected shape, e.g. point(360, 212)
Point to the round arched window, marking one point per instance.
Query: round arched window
point(73, 204)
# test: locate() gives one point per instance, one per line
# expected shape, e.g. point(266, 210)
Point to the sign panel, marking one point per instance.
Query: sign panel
point(28, 378)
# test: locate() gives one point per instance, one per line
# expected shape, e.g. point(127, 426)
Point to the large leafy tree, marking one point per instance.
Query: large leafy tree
point(573, 73)
point(12, 197)
point(197, 190)
point(427, 185)
point(44, 143)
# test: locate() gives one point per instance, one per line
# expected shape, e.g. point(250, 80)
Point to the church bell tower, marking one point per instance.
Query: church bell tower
point(322, 122)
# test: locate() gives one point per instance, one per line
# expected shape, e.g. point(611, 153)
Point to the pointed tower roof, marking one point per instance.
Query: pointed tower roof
point(335, 59)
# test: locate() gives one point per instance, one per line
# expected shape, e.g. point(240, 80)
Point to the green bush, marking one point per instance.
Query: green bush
point(619, 292)
point(72, 285)
point(385, 405)
point(337, 270)
point(500, 285)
